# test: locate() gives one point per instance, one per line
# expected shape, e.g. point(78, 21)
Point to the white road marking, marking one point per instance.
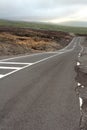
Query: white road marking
point(81, 102)
point(9, 73)
point(10, 68)
point(79, 84)
point(1, 75)
point(23, 56)
point(30, 64)
point(58, 52)
point(18, 63)
point(78, 63)
point(80, 99)
point(16, 57)
point(13, 69)
point(82, 86)
point(79, 55)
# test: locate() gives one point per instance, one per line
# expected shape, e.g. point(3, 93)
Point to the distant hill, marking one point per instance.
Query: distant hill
point(71, 27)
point(75, 23)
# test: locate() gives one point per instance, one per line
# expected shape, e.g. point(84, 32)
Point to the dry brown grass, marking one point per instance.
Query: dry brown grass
point(18, 41)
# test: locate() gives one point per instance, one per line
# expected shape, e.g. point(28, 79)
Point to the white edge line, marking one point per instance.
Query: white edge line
point(19, 63)
point(15, 71)
point(16, 57)
point(26, 56)
point(36, 62)
point(58, 53)
point(39, 53)
point(13, 68)
point(30, 65)
point(1, 75)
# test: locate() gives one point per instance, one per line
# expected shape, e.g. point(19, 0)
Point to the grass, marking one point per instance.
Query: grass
point(75, 30)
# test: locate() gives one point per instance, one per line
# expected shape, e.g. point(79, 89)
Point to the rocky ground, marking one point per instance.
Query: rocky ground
point(15, 41)
point(81, 89)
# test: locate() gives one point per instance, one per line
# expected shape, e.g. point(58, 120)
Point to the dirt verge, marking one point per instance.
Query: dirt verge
point(15, 41)
point(81, 88)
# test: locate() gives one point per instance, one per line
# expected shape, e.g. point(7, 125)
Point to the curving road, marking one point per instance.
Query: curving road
point(37, 92)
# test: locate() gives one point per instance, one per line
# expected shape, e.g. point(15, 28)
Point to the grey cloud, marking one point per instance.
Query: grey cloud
point(39, 10)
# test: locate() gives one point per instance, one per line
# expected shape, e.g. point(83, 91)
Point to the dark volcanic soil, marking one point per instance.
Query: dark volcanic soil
point(23, 40)
point(82, 89)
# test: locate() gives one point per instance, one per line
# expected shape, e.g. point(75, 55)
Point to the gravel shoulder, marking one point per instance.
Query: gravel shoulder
point(81, 88)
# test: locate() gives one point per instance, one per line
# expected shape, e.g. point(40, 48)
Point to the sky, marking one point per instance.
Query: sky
point(53, 11)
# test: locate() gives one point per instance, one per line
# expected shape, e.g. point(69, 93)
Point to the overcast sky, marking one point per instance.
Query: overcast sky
point(55, 11)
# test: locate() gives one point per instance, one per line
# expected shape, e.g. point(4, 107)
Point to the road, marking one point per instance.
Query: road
point(37, 92)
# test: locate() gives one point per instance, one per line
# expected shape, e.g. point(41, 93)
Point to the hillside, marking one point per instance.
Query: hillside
point(44, 26)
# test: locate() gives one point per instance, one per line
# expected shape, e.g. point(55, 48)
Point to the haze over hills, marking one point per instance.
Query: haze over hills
point(75, 23)
point(68, 23)
point(64, 12)
point(75, 27)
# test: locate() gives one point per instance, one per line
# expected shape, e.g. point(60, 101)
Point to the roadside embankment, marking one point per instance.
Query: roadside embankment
point(15, 41)
point(81, 88)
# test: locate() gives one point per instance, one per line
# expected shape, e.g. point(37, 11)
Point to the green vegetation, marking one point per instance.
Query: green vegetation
point(79, 30)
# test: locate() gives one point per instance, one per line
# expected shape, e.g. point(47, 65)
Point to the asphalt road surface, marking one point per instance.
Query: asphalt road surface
point(37, 92)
